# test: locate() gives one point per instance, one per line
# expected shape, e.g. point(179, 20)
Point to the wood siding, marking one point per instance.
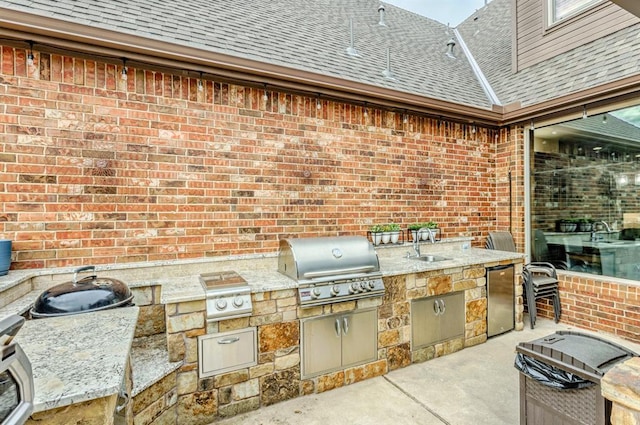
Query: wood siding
point(536, 42)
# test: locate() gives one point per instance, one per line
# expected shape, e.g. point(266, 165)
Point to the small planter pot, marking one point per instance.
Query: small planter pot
point(5, 256)
point(394, 236)
point(414, 234)
point(585, 227)
point(376, 238)
point(567, 226)
point(386, 237)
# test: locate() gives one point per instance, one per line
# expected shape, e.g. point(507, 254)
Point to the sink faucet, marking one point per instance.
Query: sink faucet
point(594, 232)
point(416, 245)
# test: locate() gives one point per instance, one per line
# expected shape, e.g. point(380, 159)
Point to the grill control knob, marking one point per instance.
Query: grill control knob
point(364, 287)
point(335, 290)
point(354, 287)
point(315, 292)
point(221, 304)
point(371, 285)
point(238, 301)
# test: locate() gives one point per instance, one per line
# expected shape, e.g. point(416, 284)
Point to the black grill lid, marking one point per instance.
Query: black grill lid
point(90, 293)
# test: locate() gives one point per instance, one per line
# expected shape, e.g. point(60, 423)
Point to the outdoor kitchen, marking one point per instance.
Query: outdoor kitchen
point(209, 212)
point(270, 352)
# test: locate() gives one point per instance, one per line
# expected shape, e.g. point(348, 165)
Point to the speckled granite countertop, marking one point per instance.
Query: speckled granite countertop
point(79, 357)
point(150, 361)
point(397, 263)
point(262, 275)
point(180, 281)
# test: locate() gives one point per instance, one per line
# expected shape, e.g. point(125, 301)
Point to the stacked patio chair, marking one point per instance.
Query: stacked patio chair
point(502, 241)
point(539, 278)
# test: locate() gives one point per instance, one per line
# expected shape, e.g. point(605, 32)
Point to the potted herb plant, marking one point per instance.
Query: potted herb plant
point(414, 227)
point(429, 225)
point(394, 232)
point(376, 234)
point(584, 225)
point(386, 233)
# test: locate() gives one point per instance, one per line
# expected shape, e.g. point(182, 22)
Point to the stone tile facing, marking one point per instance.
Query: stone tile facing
point(198, 408)
point(278, 335)
point(277, 376)
point(93, 412)
point(279, 386)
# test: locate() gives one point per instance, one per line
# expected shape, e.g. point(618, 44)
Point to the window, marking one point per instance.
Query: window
point(562, 9)
point(585, 194)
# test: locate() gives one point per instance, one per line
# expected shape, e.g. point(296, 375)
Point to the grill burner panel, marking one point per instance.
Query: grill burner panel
point(347, 290)
point(228, 295)
point(331, 269)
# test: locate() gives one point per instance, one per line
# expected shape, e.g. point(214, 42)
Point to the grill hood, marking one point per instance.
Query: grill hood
point(316, 260)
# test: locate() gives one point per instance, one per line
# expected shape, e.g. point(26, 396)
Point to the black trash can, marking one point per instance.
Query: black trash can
point(560, 378)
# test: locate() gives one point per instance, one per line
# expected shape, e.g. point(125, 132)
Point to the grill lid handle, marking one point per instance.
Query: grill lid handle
point(311, 275)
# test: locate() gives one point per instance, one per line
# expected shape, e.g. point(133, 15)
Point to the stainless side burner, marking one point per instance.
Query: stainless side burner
point(228, 295)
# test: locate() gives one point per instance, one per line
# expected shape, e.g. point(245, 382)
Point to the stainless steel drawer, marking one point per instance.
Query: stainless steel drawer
point(224, 352)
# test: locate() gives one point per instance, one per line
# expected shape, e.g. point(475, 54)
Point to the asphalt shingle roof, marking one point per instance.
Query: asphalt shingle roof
point(300, 34)
point(313, 35)
point(604, 60)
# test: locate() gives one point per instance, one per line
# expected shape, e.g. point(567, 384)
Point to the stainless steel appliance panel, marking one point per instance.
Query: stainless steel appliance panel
point(436, 319)
point(500, 300)
point(334, 342)
point(16, 378)
point(425, 322)
point(327, 258)
point(359, 337)
point(321, 345)
point(227, 351)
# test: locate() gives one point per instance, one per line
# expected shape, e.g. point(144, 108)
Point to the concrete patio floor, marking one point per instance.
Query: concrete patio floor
point(476, 386)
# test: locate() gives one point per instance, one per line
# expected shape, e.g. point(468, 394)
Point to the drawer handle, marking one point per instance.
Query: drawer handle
point(229, 340)
point(443, 307)
point(125, 400)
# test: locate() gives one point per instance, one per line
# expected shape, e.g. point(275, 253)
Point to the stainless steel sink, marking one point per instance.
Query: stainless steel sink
point(430, 258)
point(619, 242)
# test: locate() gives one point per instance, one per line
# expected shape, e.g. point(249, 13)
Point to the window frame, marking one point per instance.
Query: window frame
point(550, 6)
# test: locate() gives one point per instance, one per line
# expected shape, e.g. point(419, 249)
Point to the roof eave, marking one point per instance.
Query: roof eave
point(93, 40)
point(595, 100)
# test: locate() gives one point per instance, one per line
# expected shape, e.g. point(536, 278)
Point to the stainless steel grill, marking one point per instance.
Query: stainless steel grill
point(331, 269)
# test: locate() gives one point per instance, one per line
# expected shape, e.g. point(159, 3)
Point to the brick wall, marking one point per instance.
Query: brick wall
point(97, 169)
point(599, 304)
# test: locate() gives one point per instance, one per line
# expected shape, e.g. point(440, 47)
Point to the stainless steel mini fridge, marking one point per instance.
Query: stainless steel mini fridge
point(500, 300)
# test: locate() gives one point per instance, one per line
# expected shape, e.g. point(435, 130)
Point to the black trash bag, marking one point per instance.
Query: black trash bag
point(549, 375)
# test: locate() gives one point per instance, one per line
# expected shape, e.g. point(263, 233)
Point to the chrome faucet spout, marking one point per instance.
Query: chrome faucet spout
point(606, 226)
point(594, 230)
point(416, 245)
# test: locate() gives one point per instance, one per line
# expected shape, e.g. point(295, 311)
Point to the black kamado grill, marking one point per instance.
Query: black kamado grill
point(91, 293)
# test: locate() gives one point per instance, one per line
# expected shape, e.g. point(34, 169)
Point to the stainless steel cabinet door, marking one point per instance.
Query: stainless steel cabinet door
point(321, 345)
point(437, 319)
point(359, 337)
point(425, 322)
point(452, 316)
